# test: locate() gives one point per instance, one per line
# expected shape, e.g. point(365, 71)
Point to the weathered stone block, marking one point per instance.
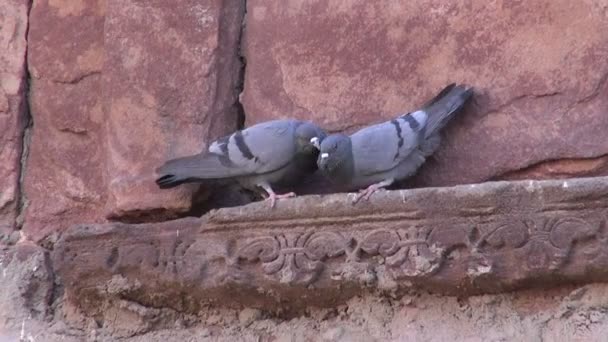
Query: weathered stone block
point(64, 180)
point(320, 250)
point(13, 106)
point(26, 278)
point(117, 88)
point(170, 84)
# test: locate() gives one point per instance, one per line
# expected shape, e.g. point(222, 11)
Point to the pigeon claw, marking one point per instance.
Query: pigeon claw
point(365, 193)
point(274, 197)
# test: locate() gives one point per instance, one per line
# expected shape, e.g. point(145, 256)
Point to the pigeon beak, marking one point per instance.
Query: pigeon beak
point(324, 155)
point(315, 142)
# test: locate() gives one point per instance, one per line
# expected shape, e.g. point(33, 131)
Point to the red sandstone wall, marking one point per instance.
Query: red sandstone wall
point(95, 93)
point(115, 88)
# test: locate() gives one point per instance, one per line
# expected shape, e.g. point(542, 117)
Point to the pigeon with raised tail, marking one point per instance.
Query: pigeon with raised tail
point(379, 155)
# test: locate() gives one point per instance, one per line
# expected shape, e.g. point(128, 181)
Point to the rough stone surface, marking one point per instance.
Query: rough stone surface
point(64, 178)
point(248, 316)
point(170, 77)
point(117, 88)
point(26, 280)
point(541, 90)
point(13, 28)
point(320, 251)
point(580, 313)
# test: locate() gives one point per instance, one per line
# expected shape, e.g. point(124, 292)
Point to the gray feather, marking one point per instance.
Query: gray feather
point(443, 107)
point(194, 168)
point(260, 154)
point(391, 150)
point(384, 146)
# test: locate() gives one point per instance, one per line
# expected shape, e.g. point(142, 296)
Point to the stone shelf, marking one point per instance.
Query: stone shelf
point(322, 250)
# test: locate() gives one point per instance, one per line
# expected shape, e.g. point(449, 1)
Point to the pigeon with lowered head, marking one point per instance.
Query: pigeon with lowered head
point(271, 153)
point(379, 155)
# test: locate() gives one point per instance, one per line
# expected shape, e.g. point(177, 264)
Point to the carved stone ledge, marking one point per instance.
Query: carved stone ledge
point(320, 250)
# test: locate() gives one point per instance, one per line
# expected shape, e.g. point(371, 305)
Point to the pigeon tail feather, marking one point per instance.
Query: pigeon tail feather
point(443, 107)
point(192, 169)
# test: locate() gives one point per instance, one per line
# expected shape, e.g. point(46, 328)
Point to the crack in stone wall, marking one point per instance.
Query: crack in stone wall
point(28, 124)
point(242, 117)
point(559, 169)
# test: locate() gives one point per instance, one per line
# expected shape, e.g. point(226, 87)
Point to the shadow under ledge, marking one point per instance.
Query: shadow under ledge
point(322, 250)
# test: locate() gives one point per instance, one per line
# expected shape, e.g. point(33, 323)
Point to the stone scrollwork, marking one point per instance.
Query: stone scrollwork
point(299, 258)
point(293, 258)
point(545, 242)
point(406, 252)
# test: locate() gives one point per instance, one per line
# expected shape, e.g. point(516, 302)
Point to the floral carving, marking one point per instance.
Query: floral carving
point(406, 252)
point(468, 255)
point(295, 258)
point(546, 242)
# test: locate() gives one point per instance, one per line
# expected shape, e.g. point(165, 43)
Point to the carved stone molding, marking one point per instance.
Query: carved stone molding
point(320, 250)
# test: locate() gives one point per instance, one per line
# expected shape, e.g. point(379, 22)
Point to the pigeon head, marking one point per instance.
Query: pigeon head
point(307, 132)
point(335, 152)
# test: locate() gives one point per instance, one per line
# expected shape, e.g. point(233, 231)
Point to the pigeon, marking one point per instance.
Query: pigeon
point(377, 156)
point(272, 153)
